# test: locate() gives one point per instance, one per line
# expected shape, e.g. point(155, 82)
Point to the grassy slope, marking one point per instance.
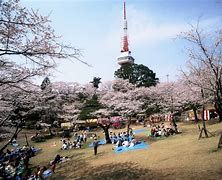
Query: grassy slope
point(177, 157)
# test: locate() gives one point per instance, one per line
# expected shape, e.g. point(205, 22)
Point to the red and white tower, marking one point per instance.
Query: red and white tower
point(125, 58)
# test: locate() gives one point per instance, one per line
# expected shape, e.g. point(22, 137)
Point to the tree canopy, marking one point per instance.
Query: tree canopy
point(90, 106)
point(137, 74)
point(29, 47)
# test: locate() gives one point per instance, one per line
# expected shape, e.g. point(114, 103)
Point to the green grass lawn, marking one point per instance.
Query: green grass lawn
point(181, 156)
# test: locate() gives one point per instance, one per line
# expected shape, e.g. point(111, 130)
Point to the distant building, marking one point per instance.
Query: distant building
point(209, 113)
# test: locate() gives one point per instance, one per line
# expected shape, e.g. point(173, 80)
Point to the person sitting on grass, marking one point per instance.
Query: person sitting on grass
point(94, 136)
point(64, 145)
point(125, 136)
point(58, 159)
point(119, 143)
point(69, 143)
point(74, 144)
point(79, 145)
point(132, 144)
point(162, 130)
point(125, 143)
point(75, 137)
point(81, 139)
point(114, 139)
point(131, 132)
point(42, 174)
point(164, 133)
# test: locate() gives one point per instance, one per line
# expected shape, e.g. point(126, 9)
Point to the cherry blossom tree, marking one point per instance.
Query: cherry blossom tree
point(104, 121)
point(167, 97)
point(188, 96)
point(71, 95)
point(29, 47)
point(17, 107)
point(123, 99)
point(105, 86)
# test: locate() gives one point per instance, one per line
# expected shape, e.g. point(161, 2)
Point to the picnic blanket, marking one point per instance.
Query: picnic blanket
point(36, 150)
point(15, 144)
point(149, 133)
point(101, 142)
point(141, 145)
point(47, 173)
point(139, 131)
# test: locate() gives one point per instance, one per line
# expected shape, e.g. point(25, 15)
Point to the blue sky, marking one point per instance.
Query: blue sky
point(95, 26)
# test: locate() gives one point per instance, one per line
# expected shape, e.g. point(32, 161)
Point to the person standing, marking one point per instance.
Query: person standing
point(85, 137)
point(95, 146)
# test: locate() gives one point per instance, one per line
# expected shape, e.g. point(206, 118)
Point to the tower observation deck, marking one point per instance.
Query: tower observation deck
point(125, 57)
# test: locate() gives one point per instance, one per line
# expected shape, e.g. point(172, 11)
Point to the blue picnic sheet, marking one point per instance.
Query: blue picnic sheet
point(47, 173)
point(36, 150)
point(141, 145)
point(139, 131)
point(101, 142)
point(15, 144)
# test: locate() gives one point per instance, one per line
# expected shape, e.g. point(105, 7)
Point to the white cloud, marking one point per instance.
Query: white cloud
point(144, 29)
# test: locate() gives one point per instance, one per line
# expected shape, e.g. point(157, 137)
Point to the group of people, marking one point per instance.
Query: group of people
point(15, 163)
point(77, 142)
point(123, 139)
point(44, 172)
point(162, 130)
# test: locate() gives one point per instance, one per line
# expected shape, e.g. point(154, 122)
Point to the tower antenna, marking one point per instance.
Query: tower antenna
point(125, 47)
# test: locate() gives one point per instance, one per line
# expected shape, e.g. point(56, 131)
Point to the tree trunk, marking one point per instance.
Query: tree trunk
point(220, 141)
point(4, 120)
point(218, 100)
point(106, 131)
point(144, 122)
point(26, 139)
point(218, 108)
point(195, 114)
point(174, 124)
point(10, 141)
point(128, 125)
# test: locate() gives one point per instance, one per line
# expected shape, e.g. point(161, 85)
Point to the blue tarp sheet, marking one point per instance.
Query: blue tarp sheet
point(102, 141)
point(139, 131)
point(141, 145)
point(47, 173)
point(36, 150)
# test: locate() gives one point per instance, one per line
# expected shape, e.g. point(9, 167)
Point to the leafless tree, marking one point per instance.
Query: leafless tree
point(205, 63)
point(28, 44)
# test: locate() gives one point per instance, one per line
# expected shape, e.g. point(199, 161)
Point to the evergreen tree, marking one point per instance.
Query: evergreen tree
point(139, 75)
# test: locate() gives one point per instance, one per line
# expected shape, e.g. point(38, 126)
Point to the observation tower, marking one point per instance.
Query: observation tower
point(125, 57)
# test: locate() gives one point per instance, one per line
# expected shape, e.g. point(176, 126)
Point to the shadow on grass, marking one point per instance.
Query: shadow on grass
point(150, 139)
point(121, 171)
point(215, 150)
